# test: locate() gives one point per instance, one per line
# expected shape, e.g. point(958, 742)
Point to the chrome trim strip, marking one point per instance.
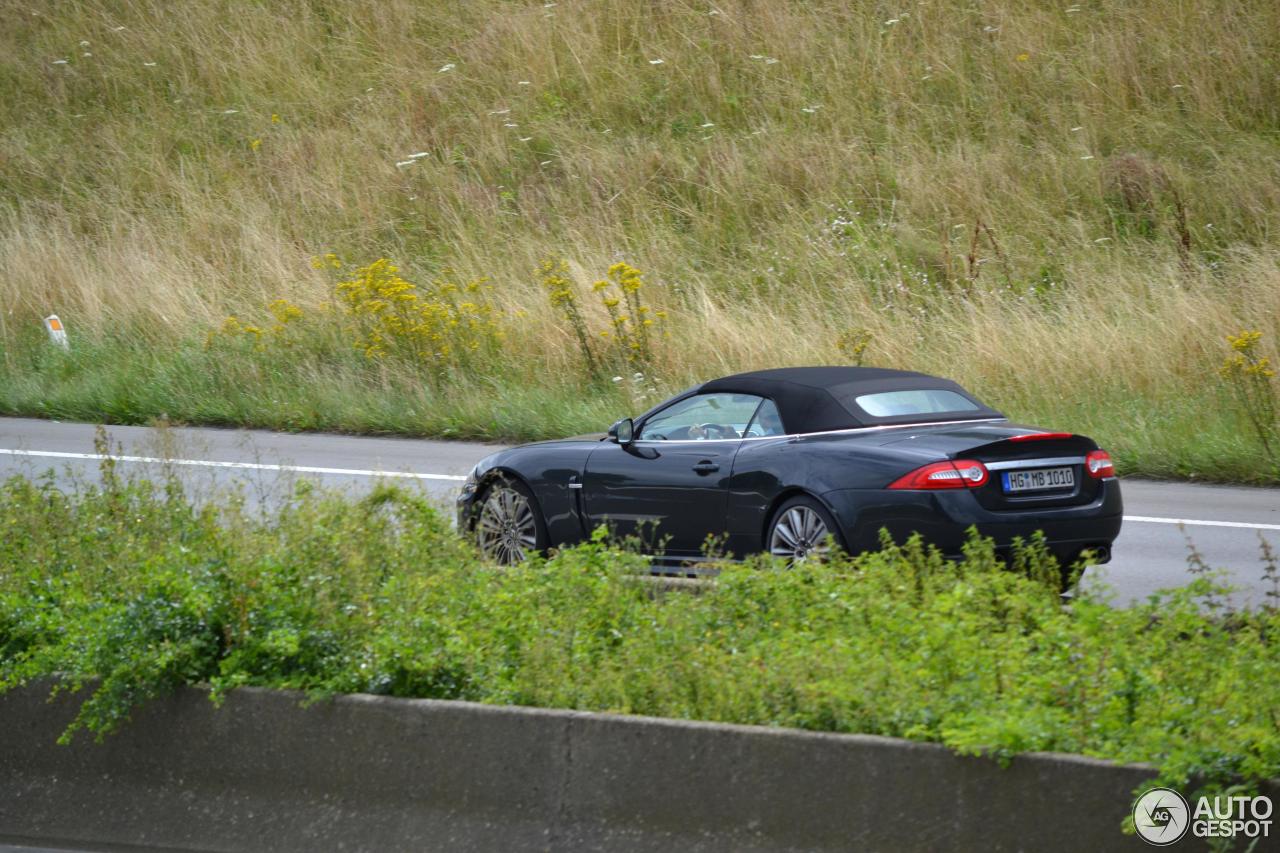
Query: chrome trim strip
point(660, 442)
point(1034, 463)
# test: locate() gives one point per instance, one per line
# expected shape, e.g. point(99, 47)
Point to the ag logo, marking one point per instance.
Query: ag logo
point(1161, 816)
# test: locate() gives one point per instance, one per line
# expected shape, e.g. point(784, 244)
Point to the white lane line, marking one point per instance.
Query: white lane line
point(358, 472)
point(1191, 522)
point(257, 466)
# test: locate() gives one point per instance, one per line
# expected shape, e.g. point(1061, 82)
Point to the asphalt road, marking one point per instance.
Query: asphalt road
point(1225, 523)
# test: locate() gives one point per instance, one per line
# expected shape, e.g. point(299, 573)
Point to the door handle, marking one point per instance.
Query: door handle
point(706, 466)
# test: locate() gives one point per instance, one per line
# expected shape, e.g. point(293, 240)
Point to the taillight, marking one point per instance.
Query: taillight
point(960, 474)
point(1040, 436)
point(1098, 464)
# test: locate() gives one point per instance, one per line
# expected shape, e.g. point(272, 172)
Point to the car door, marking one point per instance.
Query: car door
point(669, 487)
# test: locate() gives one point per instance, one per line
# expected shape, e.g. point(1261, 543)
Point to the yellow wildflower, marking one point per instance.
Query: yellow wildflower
point(1245, 341)
point(284, 311)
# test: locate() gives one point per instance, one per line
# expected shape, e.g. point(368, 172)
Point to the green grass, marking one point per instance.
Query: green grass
point(116, 382)
point(1065, 208)
point(144, 590)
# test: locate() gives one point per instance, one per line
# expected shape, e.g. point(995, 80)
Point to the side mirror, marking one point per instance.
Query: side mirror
point(623, 432)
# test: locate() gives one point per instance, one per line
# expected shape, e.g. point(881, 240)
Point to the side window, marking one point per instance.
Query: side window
point(766, 422)
point(702, 417)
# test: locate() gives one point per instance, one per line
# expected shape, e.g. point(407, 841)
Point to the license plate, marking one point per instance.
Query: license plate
point(1041, 478)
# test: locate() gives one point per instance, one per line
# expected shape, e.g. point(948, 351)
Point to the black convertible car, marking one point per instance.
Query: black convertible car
point(791, 461)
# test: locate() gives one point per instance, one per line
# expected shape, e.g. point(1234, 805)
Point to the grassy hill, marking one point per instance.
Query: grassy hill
point(1064, 206)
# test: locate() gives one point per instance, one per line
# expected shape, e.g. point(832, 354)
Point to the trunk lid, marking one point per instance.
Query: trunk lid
point(1025, 473)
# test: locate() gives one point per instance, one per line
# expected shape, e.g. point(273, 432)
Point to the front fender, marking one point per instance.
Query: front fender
point(547, 469)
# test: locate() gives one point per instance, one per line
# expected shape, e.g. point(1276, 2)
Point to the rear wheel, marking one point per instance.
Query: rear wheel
point(801, 529)
point(509, 526)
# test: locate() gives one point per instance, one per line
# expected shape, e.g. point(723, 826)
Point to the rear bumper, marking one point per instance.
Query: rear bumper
point(943, 518)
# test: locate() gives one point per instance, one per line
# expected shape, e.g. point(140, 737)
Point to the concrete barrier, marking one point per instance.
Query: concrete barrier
point(371, 773)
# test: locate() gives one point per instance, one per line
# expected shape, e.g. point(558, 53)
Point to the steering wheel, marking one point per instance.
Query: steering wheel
point(719, 430)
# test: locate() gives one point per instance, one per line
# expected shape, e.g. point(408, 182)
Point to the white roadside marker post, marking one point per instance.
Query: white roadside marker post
point(57, 334)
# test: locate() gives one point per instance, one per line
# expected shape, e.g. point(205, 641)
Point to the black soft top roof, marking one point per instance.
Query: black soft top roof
point(817, 399)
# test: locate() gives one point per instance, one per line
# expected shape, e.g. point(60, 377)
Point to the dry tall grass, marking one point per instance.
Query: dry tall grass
point(999, 191)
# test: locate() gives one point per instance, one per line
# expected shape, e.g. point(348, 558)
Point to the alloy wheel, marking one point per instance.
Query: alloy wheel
point(506, 530)
point(799, 534)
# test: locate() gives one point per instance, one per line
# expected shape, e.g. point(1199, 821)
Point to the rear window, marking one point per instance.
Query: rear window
point(925, 401)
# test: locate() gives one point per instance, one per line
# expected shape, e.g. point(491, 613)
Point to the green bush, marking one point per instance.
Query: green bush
point(141, 589)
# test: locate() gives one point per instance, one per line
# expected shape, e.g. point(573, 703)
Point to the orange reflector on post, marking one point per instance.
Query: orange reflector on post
point(57, 334)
